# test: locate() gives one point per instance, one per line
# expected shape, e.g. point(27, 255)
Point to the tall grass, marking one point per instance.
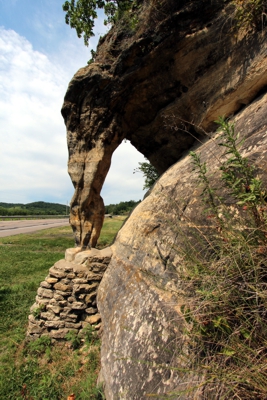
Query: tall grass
point(225, 277)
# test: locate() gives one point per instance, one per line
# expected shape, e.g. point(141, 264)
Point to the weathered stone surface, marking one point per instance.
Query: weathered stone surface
point(84, 288)
point(48, 315)
point(45, 293)
point(42, 300)
point(93, 319)
point(77, 305)
point(57, 273)
point(98, 327)
point(71, 253)
point(35, 329)
point(63, 303)
point(140, 311)
point(63, 294)
point(91, 276)
point(83, 256)
point(80, 280)
point(35, 321)
point(80, 270)
point(58, 297)
point(63, 287)
point(51, 280)
point(66, 281)
point(93, 255)
point(54, 324)
point(54, 308)
point(73, 325)
point(45, 285)
point(73, 318)
point(59, 334)
point(64, 265)
point(98, 267)
point(70, 275)
point(89, 299)
point(91, 310)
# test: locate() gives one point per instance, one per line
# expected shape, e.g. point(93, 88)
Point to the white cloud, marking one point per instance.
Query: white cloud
point(33, 140)
point(33, 152)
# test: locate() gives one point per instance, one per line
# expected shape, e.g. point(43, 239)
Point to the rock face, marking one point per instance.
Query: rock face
point(161, 87)
point(144, 349)
point(66, 299)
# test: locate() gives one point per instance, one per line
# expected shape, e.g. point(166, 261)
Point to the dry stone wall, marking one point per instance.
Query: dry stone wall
point(66, 299)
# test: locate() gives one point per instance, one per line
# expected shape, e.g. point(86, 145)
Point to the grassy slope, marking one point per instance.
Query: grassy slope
point(40, 370)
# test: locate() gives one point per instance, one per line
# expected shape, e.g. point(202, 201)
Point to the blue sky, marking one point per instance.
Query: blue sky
point(39, 54)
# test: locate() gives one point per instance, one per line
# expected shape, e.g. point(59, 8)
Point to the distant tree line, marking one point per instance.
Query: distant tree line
point(122, 208)
point(36, 208)
point(44, 208)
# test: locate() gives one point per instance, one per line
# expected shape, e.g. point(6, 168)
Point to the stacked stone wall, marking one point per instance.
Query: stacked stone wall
point(66, 299)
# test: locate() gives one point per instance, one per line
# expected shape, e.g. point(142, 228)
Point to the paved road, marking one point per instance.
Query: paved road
point(10, 228)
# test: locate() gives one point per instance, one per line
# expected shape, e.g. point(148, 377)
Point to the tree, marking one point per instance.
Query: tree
point(149, 172)
point(80, 14)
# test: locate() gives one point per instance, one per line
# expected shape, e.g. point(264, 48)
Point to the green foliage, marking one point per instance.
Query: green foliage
point(149, 172)
point(40, 345)
point(109, 230)
point(250, 13)
point(36, 208)
point(80, 14)
point(122, 208)
point(75, 340)
point(37, 311)
point(226, 273)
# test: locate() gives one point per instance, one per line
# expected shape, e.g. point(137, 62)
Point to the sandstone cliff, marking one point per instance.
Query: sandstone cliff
point(161, 87)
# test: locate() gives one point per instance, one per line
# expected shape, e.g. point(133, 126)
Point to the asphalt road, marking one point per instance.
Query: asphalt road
point(10, 228)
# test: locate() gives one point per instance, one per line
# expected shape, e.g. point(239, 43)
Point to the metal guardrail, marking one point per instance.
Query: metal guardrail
point(2, 217)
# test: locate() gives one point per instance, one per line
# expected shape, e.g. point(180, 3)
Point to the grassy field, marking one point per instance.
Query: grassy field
point(40, 370)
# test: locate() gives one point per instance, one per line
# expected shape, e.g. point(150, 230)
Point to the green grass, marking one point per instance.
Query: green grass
point(41, 371)
point(109, 230)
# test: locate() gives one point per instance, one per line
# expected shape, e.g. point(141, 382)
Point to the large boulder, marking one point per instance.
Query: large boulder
point(145, 352)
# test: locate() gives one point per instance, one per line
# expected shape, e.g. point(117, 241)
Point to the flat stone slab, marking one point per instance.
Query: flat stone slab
point(93, 254)
point(64, 265)
point(71, 253)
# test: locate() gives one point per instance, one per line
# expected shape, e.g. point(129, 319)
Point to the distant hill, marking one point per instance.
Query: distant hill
point(44, 208)
point(35, 208)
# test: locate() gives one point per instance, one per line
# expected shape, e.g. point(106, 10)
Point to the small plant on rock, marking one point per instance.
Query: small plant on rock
point(38, 310)
point(250, 13)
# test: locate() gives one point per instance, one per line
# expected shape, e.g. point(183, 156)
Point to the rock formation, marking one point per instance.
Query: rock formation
point(161, 87)
point(140, 297)
point(66, 299)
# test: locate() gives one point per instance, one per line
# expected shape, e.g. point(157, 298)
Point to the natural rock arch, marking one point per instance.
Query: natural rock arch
point(160, 89)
